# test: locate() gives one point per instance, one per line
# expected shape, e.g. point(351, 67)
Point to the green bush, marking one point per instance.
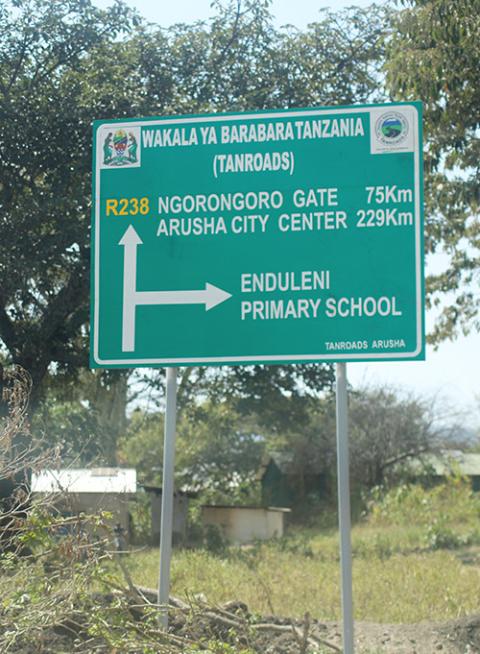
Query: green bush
point(215, 541)
point(141, 520)
point(411, 504)
point(441, 536)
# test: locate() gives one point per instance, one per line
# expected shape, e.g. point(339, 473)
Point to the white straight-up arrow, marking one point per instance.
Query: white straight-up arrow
point(130, 240)
point(211, 296)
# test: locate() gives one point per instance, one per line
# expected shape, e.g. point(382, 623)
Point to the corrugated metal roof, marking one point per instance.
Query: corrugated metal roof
point(449, 462)
point(85, 480)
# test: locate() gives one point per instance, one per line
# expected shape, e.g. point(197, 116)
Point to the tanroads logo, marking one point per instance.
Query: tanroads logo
point(391, 128)
point(121, 148)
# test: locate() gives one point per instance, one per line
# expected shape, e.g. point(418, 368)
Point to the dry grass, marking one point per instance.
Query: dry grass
point(395, 578)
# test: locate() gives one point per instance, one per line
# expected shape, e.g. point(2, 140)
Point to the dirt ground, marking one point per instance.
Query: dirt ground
point(273, 635)
point(233, 624)
point(455, 637)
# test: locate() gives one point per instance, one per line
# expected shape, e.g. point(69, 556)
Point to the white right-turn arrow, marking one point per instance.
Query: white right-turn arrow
point(210, 297)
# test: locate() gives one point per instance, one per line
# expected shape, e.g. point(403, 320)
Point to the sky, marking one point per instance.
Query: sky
point(450, 373)
point(294, 12)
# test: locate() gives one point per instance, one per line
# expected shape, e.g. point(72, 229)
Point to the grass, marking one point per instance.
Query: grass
point(404, 570)
point(389, 585)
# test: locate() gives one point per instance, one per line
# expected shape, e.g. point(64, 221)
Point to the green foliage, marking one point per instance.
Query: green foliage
point(66, 63)
point(433, 56)
point(387, 427)
point(214, 540)
point(218, 451)
point(67, 595)
point(45, 176)
point(452, 501)
point(140, 512)
point(69, 424)
point(448, 513)
point(440, 536)
point(142, 446)
point(85, 419)
point(378, 544)
point(37, 593)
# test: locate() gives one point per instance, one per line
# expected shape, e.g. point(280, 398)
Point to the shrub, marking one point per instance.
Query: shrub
point(141, 520)
point(215, 541)
point(59, 591)
point(410, 504)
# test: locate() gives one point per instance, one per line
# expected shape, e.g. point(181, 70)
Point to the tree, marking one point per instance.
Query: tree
point(217, 449)
point(276, 397)
point(141, 445)
point(388, 428)
point(64, 64)
point(45, 177)
point(310, 450)
point(85, 419)
point(433, 56)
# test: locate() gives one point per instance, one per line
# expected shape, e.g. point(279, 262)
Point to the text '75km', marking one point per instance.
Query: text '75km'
point(388, 194)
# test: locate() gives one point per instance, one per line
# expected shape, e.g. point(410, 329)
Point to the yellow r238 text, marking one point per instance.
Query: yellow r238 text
point(127, 206)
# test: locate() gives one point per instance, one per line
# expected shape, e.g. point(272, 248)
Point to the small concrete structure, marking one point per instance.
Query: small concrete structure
point(90, 490)
point(244, 524)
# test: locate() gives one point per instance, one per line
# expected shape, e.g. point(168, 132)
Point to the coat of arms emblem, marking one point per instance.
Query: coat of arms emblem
point(120, 149)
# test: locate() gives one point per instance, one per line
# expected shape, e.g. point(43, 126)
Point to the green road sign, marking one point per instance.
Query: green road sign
point(279, 236)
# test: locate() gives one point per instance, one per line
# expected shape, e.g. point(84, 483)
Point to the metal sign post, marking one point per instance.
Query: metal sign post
point(265, 237)
point(167, 497)
point(344, 520)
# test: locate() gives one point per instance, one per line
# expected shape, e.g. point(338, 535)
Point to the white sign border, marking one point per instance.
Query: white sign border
point(273, 358)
